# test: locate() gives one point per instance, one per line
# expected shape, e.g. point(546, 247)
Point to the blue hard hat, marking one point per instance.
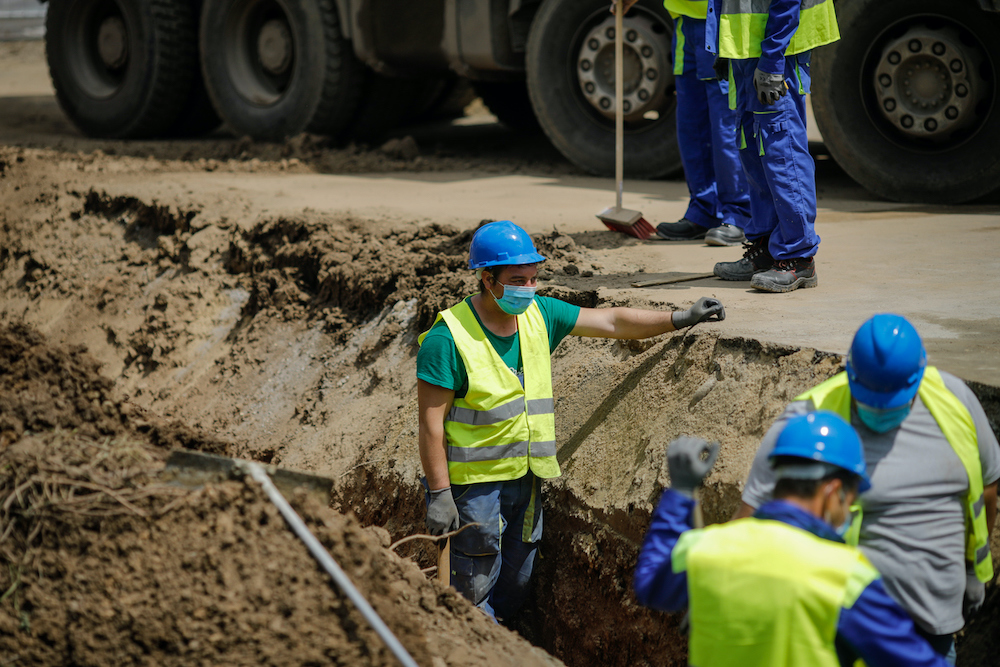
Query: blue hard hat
point(825, 437)
point(502, 243)
point(886, 362)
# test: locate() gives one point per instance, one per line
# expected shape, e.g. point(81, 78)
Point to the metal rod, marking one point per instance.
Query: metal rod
point(257, 472)
point(619, 95)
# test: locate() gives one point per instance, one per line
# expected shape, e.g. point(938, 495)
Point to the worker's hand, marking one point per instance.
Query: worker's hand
point(721, 67)
point(769, 87)
point(625, 7)
point(688, 460)
point(704, 310)
point(975, 594)
point(442, 515)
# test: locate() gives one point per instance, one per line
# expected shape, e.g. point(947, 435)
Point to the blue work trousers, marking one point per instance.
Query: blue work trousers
point(780, 171)
point(491, 563)
point(706, 129)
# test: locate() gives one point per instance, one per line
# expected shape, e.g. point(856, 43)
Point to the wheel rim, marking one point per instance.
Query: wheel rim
point(260, 48)
point(97, 48)
point(929, 83)
point(648, 78)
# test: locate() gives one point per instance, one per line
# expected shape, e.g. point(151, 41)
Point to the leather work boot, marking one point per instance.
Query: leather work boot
point(756, 259)
point(682, 230)
point(725, 234)
point(787, 275)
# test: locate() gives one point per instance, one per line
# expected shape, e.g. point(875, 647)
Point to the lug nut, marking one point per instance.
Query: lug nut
point(593, 44)
point(915, 45)
point(631, 35)
point(894, 57)
point(907, 121)
point(643, 94)
point(885, 80)
point(956, 65)
point(961, 90)
point(626, 106)
point(647, 51)
point(938, 48)
point(585, 65)
point(889, 104)
point(951, 113)
point(930, 124)
point(606, 104)
point(610, 32)
point(590, 87)
point(651, 74)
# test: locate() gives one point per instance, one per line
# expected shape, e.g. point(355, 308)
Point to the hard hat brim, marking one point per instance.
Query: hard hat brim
point(879, 399)
point(516, 260)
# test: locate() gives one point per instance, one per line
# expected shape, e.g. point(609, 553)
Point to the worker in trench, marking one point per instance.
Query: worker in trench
point(779, 589)
point(934, 463)
point(487, 429)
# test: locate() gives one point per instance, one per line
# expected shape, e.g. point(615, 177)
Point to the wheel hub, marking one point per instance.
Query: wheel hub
point(926, 83)
point(112, 42)
point(274, 46)
point(645, 67)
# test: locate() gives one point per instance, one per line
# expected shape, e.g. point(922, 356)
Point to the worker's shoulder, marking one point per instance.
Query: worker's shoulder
point(957, 386)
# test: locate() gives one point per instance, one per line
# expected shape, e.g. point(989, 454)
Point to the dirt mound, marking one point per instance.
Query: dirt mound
point(109, 565)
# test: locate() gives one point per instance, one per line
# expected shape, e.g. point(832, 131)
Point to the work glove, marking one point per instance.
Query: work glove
point(721, 67)
point(769, 87)
point(442, 515)
point(688, 460)
point(975, 594)
point(704, 310)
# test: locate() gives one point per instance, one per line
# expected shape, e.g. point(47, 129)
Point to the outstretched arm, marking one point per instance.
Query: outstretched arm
point(632, 323)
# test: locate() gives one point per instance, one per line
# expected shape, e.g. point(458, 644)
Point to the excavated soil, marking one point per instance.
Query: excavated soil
point(131, 327)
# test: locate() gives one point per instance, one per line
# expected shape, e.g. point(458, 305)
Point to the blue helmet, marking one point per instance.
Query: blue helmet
point(502, 243)
point(886, 362)
point(825, 437)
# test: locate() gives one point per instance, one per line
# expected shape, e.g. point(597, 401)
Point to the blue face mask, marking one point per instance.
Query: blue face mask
point(844, 528)
point(515, 299)
point(882, 421)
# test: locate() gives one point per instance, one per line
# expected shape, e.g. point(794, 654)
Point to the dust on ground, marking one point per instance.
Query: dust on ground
point(291, 340)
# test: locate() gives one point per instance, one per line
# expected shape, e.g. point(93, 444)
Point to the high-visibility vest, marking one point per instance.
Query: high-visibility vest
point(742, 26)
point(764, 593)
point(499, 429)
point(959, 430)
point(696, 9)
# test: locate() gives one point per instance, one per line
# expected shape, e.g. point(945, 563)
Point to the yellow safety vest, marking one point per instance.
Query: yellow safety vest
point(959, 430)
point(696, 9)
point(499, 429)
point(766, 594)
point(742, 26)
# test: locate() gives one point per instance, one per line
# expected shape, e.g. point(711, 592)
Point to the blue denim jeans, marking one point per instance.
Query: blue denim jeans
point(491, 563)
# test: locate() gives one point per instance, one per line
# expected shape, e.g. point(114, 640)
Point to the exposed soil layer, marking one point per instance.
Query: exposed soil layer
point(291, 340)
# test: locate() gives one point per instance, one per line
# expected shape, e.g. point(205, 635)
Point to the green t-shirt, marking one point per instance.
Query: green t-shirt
point(440, 364)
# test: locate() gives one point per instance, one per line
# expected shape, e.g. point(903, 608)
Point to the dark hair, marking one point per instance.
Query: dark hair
point(807, 488)
point(495, 272)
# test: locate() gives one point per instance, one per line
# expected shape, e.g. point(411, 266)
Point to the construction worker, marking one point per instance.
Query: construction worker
point(719, 200)
point(779, 589)
point(487, 429)
point(935, 463)
point(767, 45)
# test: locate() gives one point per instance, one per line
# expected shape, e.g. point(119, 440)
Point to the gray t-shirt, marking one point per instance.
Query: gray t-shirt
point(913, 529)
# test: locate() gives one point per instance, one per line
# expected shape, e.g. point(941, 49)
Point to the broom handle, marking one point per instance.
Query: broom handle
point(619, 94)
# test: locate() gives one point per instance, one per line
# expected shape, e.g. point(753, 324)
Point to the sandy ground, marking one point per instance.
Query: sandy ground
point(268, 297)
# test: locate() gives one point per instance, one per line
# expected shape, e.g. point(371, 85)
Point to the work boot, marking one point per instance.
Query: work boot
point(756, 259)
point(787, 275)
point(725, 235)
point(682, 230)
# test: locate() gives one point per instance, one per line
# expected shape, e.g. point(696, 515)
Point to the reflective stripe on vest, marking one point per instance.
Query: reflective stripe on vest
point(743, 25)
point(696, 9)
point(766, 593)
point(499, 429)
point(959, 430)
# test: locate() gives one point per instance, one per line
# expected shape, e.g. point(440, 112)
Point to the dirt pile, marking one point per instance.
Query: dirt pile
point(108, 565)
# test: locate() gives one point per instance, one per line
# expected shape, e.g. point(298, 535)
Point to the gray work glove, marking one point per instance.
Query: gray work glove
point(688, 460)
point(721, 67)
point(442, 515)
point(769, 87)
point(704, 310)
point(975, 594)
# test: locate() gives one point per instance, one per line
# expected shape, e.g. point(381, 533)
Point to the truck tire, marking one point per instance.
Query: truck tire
point(510, 103)
point(908, 101)
point(121, 69)
point(384, 103)
point(570, 66)
point(276, 68)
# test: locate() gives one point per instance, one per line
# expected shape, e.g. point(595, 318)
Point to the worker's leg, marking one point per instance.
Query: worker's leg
point(731, 182)
point(763, 215)
point(521, 506)
point(475, 552)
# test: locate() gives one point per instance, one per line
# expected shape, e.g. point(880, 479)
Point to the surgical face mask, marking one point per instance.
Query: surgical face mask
point(882, 420)
point(828, 516)
point(844, 528)
point(515, 299)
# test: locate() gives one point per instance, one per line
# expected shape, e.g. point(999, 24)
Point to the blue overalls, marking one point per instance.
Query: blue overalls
point(705, 128)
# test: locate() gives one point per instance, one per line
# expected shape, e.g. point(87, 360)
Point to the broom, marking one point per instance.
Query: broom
point(616, 218)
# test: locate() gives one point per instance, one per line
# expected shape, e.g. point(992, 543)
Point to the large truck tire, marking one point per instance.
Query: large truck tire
point(570, 71)
point(908, 101)
point(383, 105)
point(510, 103)
point(121, 69)
point(276, 68)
